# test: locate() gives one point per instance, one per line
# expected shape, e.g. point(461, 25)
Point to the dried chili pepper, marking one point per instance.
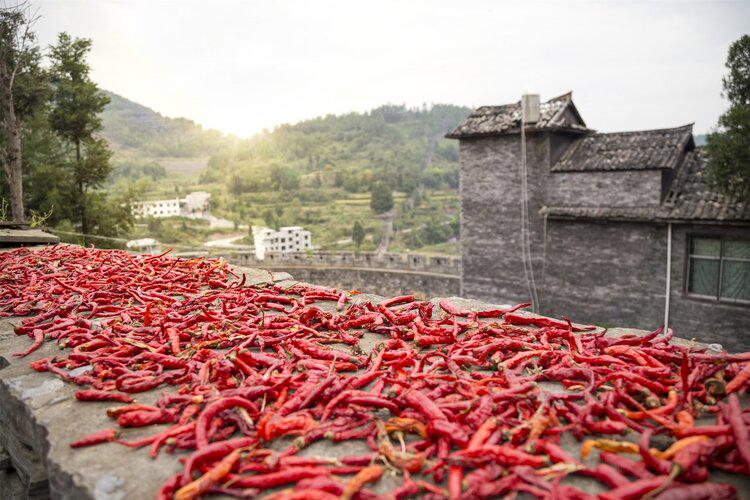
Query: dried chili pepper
point(103, 436)
point(94, 395)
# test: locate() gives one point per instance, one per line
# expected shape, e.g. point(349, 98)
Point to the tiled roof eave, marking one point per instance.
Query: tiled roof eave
point(563, 213)
point(558, 169)
point(516, 131)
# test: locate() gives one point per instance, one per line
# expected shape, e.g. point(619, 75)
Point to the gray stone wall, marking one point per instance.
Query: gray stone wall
point(490, 219)
point(630, 188)
point(608, 273)
point(611, 274)
point(384, 274)
point(443, 264)
point(378, 281)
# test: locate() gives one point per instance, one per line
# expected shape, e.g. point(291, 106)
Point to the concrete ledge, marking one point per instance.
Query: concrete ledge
point(39, 417)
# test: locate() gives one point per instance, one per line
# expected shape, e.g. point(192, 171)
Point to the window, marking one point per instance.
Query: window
point(719, 269)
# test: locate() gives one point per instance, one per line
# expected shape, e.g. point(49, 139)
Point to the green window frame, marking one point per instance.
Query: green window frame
point(719, 269)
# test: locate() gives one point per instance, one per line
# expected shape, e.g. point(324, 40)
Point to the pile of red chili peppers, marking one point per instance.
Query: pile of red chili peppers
point(450, 403)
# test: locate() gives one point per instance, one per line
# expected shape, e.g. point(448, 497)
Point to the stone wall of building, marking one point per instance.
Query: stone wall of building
point(614, 274)
point(610, 274)
point(605, 189)
point(490, 219)
point(603, 272)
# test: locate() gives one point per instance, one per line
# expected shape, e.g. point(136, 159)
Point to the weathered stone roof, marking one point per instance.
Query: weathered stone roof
point(557, 113)
point(642, 150)
point(690, 198)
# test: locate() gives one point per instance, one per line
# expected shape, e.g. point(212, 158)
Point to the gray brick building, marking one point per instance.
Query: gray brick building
point(623, 229)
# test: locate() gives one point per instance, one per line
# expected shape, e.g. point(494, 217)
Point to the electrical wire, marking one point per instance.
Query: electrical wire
point(528, 266)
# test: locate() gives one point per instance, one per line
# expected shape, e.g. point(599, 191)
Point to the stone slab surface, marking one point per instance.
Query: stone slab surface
point(27, 236)
point(39, 417)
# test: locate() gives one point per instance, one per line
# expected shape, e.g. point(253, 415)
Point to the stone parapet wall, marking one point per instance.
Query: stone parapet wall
point(440, 264)
point(384, 274)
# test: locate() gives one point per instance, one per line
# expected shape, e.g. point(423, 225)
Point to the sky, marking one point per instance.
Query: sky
point(242, 66)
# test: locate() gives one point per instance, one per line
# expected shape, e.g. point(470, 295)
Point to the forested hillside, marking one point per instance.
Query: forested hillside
point(318, 173)
point(399, 146)
point(140, 131)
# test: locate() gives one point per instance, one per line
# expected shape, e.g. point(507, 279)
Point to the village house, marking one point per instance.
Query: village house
point(286, 240)
point(195, 205)
point(622, 227)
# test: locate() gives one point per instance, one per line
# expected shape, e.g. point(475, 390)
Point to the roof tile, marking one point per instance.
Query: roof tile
point(689, 199)
point(494, 120)
point(642, 150)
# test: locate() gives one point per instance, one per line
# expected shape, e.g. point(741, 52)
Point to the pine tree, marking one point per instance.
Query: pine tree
point(75, 116)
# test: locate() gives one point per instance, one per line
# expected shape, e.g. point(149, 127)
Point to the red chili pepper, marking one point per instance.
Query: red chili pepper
point(636, 489)
point(38, 341)
point(103, 436)
point(367, 475)
point(733, 413)
point(716, 491)
point(280, 478)
point(201, 438)
point(94, 395)
point(143, 418)
point(424, 405)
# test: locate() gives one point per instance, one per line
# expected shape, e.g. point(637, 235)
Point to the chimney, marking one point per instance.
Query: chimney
point(530, 108)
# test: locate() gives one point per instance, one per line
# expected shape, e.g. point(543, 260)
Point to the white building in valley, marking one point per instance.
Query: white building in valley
point(157, 208)
point(193, 205)
point(285, 240)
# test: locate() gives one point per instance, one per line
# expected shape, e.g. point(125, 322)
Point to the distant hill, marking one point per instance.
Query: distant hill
point(133, 128)
point(401, 146)
point(700, 139)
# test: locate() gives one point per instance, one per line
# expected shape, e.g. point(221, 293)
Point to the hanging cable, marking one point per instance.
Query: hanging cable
point(528, 266)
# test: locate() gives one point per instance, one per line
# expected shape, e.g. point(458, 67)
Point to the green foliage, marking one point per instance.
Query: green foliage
point(75, 117)
point(270, 218)
point(381, 198)
point(737, 81)
point(38, 219)
point(77, 100)
point(729, 147)
point(134, 169)
point(350, 152)
point(358, 234)
point(66, 163)
point(434, 231)
point(133, 127)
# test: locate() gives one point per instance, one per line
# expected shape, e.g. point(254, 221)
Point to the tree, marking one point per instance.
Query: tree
point(381, 198)
point(77, 104)
point(358, 234)
point(17, 54)
point(269, 217)
point(728, 148)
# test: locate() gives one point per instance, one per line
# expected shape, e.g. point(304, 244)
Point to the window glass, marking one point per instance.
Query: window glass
point(706, 246)
point(735, 249)
point(704, 274)
point(735, 282)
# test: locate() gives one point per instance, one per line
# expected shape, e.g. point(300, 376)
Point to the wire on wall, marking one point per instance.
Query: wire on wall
point(528, 266)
